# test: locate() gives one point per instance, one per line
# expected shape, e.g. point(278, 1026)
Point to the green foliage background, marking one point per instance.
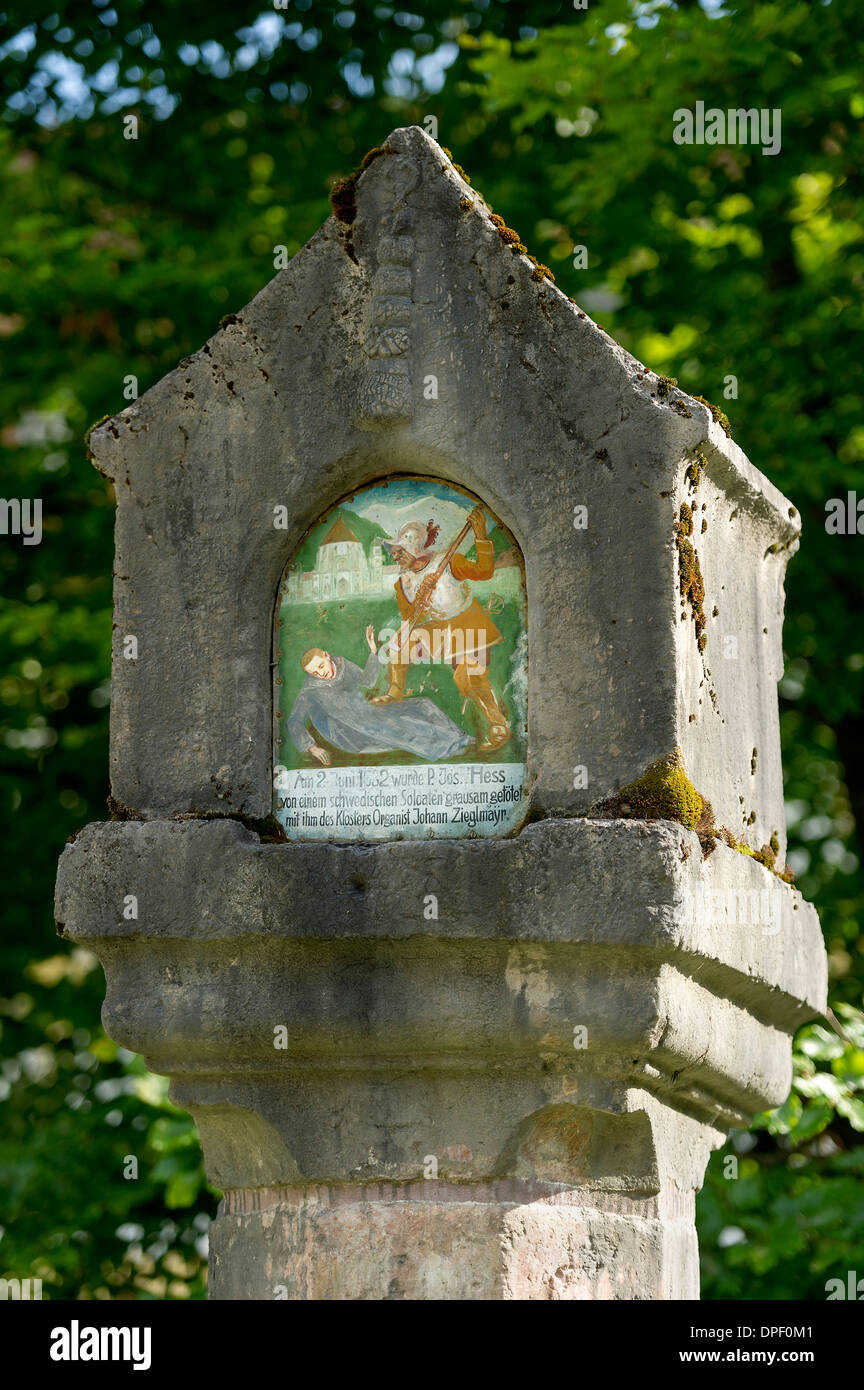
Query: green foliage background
point(119, 256)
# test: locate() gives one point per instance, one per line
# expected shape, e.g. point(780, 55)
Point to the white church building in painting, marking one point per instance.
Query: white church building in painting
point(342, 569)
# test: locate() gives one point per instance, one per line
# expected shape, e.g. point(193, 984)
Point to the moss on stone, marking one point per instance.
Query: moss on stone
point(764, 856)
point(779, 546)
point(96, 423)
point(663, 792)
point(269, 830)
point(665, 384)
point(506, 233)
point(343, 194)
point(342, 199)
point(690, 579)
point(693, 473)
point(720, 416)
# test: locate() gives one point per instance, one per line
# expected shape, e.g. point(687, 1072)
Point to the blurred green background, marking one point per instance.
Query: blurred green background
point(120, 256)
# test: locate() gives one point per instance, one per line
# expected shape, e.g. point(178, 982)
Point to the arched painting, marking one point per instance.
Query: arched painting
point(402, 670)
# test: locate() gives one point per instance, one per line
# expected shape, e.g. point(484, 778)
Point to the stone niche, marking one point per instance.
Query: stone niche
point(433, 1066)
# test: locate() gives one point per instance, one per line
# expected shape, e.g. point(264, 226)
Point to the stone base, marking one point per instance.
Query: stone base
point(439, 1240)
point(517, 1103)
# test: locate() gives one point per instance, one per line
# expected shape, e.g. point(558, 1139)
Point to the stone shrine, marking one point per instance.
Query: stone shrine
point(458, 1056)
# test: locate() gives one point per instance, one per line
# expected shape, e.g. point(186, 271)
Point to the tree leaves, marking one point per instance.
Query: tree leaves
point(120, 256)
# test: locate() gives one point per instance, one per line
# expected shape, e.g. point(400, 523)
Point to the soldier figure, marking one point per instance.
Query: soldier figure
point(441, 615)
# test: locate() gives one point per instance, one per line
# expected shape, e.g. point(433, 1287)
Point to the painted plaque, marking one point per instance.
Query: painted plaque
point(402, 670)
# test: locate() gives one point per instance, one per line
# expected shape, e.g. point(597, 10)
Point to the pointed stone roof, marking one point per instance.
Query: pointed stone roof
point(413, 335)
point(415, 259)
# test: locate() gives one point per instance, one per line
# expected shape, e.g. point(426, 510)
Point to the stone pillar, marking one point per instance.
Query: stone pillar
point(559, 1172)
point(518, 1097)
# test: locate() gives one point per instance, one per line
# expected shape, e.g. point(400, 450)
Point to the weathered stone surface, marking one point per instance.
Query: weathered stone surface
point(517, 1098)
point(560, 1173)
point(431, 1241)
point(538, 411)
point(574, 923)
point(599, 882)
